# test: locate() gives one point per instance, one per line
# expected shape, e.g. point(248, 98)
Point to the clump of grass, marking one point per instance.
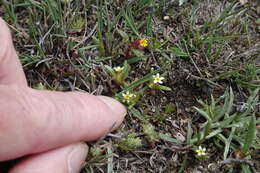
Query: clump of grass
point(235, 129)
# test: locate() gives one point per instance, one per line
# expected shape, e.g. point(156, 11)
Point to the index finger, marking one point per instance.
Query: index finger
point(35, 121)
point(11, 71)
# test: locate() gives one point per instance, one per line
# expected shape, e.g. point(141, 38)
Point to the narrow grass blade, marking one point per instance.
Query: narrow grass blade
point(137, 114)
point(179, 52)
point(138, 82)
point(110, 160)
point(189, 133)
point(130, 21)
point(203, 113)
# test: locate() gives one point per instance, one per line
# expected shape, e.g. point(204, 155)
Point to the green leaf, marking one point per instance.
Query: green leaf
point(130, 21)
point(230, 101)
point(138, 82)
point(203, 113)
point(228, 141)
point(87, 47)
point(189, 133)
point(198, 136)
point(138, 53)
point(206, 130)
point(143, 4)
point(165, 88)
point(214, 133)
point(229, 98)
point(137, 114)
point(110, 70)
point(169, 108)
point(251, 102)
point(123, 34)
point(250, 136)
point(225, 123)
point(126, 70)
point(202, 103)
point(245, 168)
point(228, 74)
point(169, 139)
point(178, 52)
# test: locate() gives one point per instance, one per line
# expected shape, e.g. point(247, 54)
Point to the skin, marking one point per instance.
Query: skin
point(46, 128)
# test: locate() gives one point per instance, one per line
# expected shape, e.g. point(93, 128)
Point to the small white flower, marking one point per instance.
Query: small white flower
point(166, 17)
point(157, 79)
point(118, 69)
point(128, 96)
point(201, 151)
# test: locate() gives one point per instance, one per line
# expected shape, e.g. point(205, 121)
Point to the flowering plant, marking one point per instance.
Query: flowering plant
point(155, 82)
point(119, 73)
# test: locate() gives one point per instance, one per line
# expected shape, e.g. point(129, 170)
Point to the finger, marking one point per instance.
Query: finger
point(66, 159)
point(11, 71)
point(35, 121)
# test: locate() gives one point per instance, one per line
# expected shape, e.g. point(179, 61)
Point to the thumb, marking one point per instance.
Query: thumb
point(66, 159)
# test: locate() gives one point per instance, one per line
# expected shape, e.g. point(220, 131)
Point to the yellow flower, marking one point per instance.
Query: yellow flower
point(201, 151)
point(143, 42)
point(118, 69)
point(128, 96)
point(157, 79)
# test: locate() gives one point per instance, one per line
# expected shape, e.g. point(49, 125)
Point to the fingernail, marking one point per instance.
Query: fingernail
point(118, 108)
point(76, 157)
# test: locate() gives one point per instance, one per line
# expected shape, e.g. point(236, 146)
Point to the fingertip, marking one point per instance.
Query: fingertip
point(116, 107)
point(76, 157)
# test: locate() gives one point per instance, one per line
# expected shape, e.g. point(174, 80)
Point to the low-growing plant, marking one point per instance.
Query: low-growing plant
point(119, 73)
point(128, 95)
point(150, 132)
point(227, 125)
point(247, 77)
point(130, 142)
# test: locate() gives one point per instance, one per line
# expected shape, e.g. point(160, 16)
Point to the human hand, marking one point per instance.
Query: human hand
point(46, 128)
